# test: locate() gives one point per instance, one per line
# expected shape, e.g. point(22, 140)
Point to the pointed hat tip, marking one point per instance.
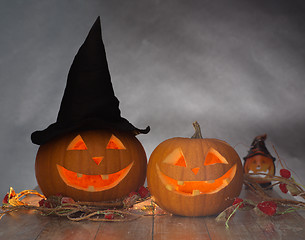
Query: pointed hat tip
point(97, 22)
point(98, 19)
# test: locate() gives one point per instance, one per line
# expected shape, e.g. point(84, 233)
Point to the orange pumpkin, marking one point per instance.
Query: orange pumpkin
point(194, 177)
point(260, 164)
point(96, 165)
point(259, 161)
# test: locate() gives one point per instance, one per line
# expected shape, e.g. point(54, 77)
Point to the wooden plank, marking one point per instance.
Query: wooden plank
point(140, 228)
point(287, 226)
point(28, 224)
point(302, 214)
point(244, 225)
point(241, 226)
point(60, 228)
point(175, 227)
point(22, 225)
point(249, 225)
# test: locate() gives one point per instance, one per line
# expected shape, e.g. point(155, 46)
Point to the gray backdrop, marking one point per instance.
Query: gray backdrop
point(235, 66)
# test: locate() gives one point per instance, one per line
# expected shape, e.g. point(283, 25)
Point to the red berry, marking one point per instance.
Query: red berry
point(267, 207)
point(283, 187)
point(237, 201)
point(45, 203)
point(285, 173)
point(41, 202)
point(143, 191)
point(67, 200)
point(109, 216)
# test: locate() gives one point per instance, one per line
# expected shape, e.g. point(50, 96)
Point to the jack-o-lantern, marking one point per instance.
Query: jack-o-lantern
point(96, 165)
point(259, 161)
point(194, 177)
point(105, 162)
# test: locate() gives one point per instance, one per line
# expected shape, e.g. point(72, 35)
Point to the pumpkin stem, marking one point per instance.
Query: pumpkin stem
point(197, 133)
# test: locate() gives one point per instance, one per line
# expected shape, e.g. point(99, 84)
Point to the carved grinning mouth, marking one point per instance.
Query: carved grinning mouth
point(193, 188)
point(260, 174)
point(92, 183)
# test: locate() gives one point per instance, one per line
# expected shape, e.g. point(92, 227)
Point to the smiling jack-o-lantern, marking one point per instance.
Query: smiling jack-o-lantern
point(92, 165)
point(194, 177)
point(95, 165)
point(259, 161)
point(260, 164)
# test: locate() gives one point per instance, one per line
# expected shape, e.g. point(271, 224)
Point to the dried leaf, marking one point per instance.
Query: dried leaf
point(293, 190)
point(225, 214)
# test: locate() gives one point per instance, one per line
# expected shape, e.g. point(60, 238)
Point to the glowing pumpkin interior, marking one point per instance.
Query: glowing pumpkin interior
point(193, 188)
point(93, 183)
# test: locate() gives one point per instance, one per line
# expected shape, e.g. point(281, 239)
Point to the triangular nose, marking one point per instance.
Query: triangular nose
point(97, 160)
point(195, 170)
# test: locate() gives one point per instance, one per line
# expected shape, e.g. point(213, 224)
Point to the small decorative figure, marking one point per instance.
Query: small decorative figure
point(260, 161)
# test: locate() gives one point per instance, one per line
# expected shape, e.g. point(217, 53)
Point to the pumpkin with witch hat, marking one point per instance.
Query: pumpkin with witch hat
point(90, 153)
point(259, 161)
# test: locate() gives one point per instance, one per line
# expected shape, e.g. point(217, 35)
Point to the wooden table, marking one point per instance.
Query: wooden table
point(25, 224)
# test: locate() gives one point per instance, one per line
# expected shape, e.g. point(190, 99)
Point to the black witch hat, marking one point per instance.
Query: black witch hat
point(89, 101)
point(258, 147)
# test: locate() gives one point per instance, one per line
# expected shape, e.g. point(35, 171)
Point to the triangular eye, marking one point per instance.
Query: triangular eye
point(214, 157)
point(77, 144)
point(115, 143)
point(176, 158)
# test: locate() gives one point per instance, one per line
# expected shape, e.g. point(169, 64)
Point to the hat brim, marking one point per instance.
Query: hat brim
point(250, 155)
point(57, 129)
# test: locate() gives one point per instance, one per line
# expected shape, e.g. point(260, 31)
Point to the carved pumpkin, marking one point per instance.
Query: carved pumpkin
point(194, 177)
point(259, 161)
point(95, 165)
point(259, 164)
